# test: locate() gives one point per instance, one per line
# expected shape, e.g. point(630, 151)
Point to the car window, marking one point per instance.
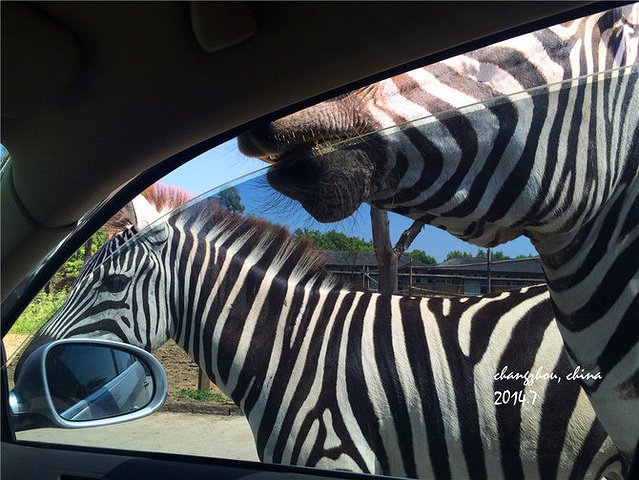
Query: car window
point(4, 157)
point(288, 338)
point(196, 403)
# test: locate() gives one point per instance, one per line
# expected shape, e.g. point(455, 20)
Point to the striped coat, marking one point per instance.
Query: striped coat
point(557, 164)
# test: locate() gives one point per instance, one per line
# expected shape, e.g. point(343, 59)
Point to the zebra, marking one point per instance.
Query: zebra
point(335, 378)
point(558, 164)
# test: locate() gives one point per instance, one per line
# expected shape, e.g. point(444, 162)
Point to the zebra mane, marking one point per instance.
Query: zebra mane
point(256, 235)
point(166, 197)
point(220, 226)
point(163, 198)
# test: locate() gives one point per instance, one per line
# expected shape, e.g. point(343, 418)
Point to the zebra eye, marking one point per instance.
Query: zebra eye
point(115, 283)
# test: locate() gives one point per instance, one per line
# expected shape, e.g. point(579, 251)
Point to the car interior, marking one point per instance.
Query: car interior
point(102, 99)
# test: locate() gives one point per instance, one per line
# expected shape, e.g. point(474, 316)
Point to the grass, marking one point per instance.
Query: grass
point(41, 309)
point(202, 396)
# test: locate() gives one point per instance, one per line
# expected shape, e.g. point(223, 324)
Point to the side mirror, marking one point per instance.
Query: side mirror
point(77, 383)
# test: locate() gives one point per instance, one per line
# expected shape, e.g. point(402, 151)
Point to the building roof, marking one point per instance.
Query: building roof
point(526, 266)
point(531, 266)
point(366, 259)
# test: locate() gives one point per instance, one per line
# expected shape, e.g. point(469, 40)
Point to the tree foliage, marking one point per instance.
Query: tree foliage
point(38, 312)
point(493, 255)
point(66, 275)
point(421, 256)
point(481, 253)
point(333, 240)
point(230, 198)
point(519, 257)
point(458, 254)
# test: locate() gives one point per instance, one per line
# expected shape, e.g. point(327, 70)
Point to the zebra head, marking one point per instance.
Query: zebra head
point(104, 274)
point(333, 184)
point(325, 185)
point(109, 304)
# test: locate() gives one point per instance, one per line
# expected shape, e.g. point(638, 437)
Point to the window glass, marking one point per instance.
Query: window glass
point(196, 403)
point(4, 157)
point(234, 273)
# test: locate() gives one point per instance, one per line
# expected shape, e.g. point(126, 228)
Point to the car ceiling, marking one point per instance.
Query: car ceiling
point(94, 93)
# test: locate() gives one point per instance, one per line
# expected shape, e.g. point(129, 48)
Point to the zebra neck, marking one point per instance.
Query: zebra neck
point(590, 265)
point(594, 286)
point(597, 265)
point(235, 324)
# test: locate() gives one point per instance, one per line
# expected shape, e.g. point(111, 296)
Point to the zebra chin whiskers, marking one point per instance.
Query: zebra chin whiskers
point(274, 203)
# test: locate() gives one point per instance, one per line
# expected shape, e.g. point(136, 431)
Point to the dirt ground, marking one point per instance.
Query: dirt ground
point(181, 371)
point(11, 343)
point(166, 432)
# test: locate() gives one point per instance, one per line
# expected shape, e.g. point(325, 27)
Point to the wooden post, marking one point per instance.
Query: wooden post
point(490, 277)
point(387, 259)
point(203, 381)
point(410, 277)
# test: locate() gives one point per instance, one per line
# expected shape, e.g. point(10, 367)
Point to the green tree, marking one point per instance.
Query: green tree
point(348, 247)
point(334, 240)
point(458, 254)
point(493, 255)
point(519, 257)
point(230, 198)
point(67, 274)
point(421, 256)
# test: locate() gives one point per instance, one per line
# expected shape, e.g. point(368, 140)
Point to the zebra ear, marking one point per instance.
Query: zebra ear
point(138, 213)
point(143, 213)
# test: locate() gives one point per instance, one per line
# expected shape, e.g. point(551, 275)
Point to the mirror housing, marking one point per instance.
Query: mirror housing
point(78, 383)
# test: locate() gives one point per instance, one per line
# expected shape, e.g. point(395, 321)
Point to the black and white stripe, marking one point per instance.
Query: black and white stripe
point(334, 378)
point(105, 251)
point(124, 225)
point(558, 164)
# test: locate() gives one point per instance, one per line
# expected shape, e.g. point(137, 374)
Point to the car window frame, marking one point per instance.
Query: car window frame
point(27, 289)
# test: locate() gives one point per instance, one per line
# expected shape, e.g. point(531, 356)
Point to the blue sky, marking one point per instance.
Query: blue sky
point(225, 164)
